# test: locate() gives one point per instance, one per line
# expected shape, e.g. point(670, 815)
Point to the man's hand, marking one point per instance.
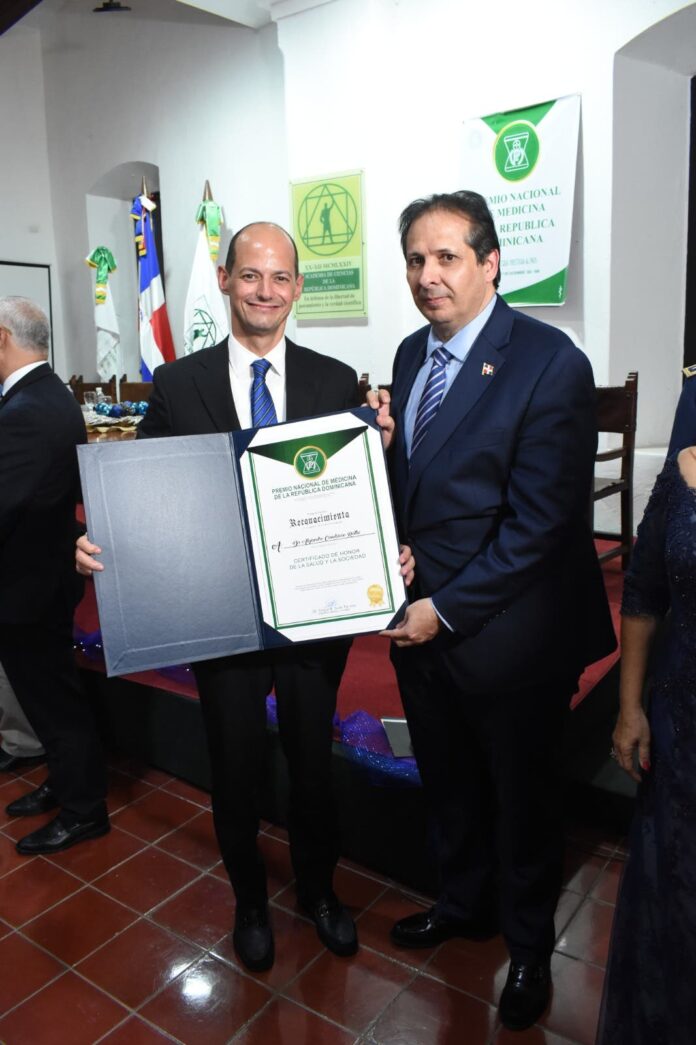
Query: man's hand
point(632, 732)
point(380, 401)
point(408, 564)
point(85, 563)
point(421, 624)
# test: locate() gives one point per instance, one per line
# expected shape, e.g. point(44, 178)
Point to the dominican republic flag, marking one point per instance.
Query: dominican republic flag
point(156, 345)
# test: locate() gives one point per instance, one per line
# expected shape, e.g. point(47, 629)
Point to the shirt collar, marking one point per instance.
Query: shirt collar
point(241, 358)
point(18, 374)
point(461, 343)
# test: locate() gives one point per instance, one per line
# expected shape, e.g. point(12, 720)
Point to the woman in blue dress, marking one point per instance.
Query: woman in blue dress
point(650, 987)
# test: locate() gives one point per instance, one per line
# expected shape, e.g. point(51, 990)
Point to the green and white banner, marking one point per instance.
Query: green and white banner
point(523, 161)
point(327, 219)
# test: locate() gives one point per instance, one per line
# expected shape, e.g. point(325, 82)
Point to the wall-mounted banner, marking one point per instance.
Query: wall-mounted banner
point(523, 161)
point(327, 219)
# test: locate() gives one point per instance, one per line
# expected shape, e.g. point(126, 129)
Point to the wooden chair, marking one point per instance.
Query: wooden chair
point(136, 391)
point(617, 409)
point(80, 386)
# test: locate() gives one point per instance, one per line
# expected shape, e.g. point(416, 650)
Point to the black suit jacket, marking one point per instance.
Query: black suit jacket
point(494, 504)
point(192, 396)
point(40, 426)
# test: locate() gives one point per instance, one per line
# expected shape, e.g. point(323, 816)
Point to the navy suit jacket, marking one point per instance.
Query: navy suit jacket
point(40, 426)
point(494, 503)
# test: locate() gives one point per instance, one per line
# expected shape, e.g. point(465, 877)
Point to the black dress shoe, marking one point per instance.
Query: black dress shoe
point(8, 762)
point(55, 836)
point(429, 928)
point(253, 938)
point(525, 995)
point(42, 800)
point(334, 925)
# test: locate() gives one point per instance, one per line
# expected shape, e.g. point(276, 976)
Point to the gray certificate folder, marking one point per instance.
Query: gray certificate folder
point(179, 581)
point(177, 584)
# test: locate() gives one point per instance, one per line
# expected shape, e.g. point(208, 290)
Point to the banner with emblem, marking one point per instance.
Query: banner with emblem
point(205, 313)
point(523, 161)
point(105, 320)
point(328, 229)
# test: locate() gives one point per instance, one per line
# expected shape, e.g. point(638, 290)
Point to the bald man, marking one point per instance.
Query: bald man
point(259, 376)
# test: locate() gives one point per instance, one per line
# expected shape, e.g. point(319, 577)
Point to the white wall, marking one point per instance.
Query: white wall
point(649, 234)
point(385, 84)
point(26, 217)
point(196, 102)
point(381, 85)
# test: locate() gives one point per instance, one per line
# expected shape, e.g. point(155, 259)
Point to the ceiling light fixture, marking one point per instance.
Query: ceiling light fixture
point(110, 7)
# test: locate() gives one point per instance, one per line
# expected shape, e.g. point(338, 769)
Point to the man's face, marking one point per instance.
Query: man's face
point(448, 284)
point(262, 285)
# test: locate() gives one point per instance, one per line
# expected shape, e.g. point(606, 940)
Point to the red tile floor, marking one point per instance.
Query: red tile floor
point(125, 940)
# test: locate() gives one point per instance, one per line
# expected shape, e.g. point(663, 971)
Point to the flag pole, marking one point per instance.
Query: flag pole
point(143, 192)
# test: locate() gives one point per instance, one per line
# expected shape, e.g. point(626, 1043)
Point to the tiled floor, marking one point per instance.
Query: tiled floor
point(125, 940)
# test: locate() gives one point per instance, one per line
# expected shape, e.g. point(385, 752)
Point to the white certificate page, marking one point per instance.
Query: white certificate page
point(322, 527)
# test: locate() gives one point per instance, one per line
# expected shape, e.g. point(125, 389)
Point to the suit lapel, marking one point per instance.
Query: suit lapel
point(400, 396)
point(476, 377)
point(212, 380)
point(302, 397)
point(411, 368)
point(36, 374)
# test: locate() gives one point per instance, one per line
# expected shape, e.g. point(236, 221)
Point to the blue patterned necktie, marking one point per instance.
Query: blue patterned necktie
point(432, 395)
point(262, 408)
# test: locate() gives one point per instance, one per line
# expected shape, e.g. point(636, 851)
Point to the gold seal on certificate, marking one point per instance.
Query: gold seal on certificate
point(375, 594)
point(322, 527)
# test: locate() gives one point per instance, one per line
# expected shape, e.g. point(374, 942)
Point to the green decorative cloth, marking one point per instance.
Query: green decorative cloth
point(104, 262)
point(210, 214)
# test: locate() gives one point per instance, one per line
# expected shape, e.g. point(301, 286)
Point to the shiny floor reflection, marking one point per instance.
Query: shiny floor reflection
point(125, 940)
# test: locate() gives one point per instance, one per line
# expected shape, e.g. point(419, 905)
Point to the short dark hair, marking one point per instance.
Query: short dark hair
point(482, 235)
point(232, 249)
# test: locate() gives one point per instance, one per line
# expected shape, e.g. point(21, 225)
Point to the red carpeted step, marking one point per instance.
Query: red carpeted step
point(369, 683)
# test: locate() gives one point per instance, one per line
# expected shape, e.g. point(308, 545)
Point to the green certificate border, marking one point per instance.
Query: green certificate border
point(389, 608)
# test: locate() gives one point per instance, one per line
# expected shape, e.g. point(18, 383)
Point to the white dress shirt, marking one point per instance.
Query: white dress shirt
point(241, 377)
point(17, 375)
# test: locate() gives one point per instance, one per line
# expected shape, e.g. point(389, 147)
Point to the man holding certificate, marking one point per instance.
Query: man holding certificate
point(256, 378)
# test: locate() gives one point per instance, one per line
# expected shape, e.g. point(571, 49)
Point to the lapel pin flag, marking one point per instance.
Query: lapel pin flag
point(487, 369)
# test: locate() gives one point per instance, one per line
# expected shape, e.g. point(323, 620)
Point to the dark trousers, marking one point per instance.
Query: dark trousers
point(39, 662)
point(233, 694)
point(490, 770)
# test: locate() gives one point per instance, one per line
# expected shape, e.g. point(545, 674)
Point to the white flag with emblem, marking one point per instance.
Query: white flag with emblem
point(205, 314)
point(108, 337)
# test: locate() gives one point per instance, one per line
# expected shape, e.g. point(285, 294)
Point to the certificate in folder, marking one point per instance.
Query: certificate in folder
point(214, 545)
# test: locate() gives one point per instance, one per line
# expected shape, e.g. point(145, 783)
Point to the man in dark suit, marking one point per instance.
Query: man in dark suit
point(491, 457)
point(218, 390)
point(40, 426)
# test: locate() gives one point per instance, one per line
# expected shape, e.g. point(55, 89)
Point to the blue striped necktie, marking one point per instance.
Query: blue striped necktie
point(432, 395)
point(262, 408)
